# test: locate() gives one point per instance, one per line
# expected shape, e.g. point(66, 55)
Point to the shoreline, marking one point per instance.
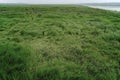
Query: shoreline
point(111, 8)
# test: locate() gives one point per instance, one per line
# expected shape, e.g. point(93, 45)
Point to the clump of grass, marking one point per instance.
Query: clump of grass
point(32, 34)
point(13, 61)
point(113, 36)
point(48, 74)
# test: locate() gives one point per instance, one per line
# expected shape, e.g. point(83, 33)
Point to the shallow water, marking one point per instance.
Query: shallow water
point(113, 8)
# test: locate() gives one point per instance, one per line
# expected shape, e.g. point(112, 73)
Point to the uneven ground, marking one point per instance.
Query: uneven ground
point(58, 42)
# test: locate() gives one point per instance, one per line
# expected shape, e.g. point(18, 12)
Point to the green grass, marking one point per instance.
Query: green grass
point(59, 42)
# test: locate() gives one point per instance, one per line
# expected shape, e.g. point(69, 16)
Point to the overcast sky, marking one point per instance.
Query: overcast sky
point(56, 1)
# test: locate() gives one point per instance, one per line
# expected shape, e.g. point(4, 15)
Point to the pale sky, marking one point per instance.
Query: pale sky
point(56, 1)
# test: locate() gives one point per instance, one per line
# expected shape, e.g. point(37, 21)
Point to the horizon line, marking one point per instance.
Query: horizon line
point(56, 3)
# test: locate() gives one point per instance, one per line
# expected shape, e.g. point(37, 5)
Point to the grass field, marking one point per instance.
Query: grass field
point(59, 42)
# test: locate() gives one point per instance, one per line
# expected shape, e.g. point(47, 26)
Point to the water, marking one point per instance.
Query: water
point(113, 8)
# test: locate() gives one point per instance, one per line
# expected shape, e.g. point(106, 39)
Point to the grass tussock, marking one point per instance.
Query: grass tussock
point(13, 61)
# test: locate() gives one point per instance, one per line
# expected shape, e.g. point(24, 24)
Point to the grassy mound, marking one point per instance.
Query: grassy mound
point(50, 42)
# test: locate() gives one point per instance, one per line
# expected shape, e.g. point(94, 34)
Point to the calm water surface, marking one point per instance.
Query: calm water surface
point(113, 8)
